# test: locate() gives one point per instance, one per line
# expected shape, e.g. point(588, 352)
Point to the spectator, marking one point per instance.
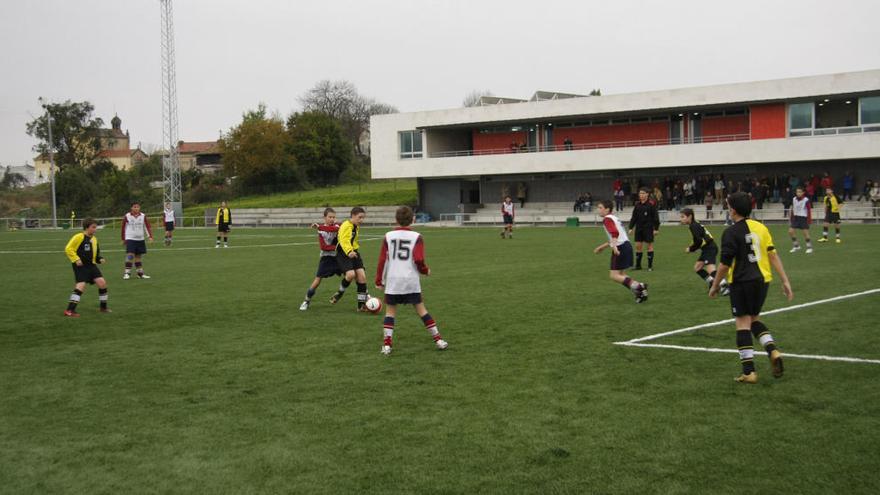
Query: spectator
point(875, 196)
point(811, 191)
point(579, 204)
point(866, 191)
point(847, 186)
point(688, 192)
point(618, 200)
point(794, 181)
point(774, 187)
point(827, 182)
point(626, 192)
point(786, 200)
point(760, 194)
point(719, 189)
point(708, 201)
point(567, 143)
point(588, 202)
point(521, 194)
point(657, 197)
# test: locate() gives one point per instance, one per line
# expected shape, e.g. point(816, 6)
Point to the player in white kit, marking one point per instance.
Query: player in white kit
point(401, 260)
point(801, 217)
point(168, 218)
point(621, 251)
point(135, 228)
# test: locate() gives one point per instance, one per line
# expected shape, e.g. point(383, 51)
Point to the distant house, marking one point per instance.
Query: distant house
point(113, 144)
point(26, 171)
point(204, 155)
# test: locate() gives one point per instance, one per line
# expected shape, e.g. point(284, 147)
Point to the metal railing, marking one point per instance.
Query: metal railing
point(593, 146)
point(834, 131)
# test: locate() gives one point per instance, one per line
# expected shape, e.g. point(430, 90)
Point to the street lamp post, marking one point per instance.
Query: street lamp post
point(51, 166)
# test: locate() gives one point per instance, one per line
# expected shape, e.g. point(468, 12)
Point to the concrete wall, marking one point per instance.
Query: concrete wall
point(448, 140)
point(438, 196)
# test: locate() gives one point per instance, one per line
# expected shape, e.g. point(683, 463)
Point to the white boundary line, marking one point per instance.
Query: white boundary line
point(200, 248)
point(637, 342)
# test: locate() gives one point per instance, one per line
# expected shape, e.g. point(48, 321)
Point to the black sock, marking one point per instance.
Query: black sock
point(362, 294)
point(309, 294)
point(746, 350)
point(837, 232)
point(650, 259)
point(74, 299)
point(762, 333)
point(702, 273)
point(638, 260)
point(102, 298)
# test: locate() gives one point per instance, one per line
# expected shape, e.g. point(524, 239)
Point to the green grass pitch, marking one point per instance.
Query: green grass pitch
point(207, 379)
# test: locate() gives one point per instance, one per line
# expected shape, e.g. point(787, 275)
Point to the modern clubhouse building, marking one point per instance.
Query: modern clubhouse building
point(559, 145)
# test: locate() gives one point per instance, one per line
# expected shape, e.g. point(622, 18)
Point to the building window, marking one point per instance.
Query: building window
point(411, 144)
point(800, 119)
point(869, 110)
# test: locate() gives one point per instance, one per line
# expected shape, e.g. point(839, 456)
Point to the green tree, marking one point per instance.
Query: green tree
point(256, 152)
point(73, 132)
point(320, 147)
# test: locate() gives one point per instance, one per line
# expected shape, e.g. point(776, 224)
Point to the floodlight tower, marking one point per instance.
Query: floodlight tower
point(170, 163)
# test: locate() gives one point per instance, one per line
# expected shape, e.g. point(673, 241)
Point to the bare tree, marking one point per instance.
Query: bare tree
point(472, 99)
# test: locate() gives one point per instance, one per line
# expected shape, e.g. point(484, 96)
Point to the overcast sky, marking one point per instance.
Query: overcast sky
point(414, 54)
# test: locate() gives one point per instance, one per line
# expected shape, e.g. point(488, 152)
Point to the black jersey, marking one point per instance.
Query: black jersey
point(645, 215)
point(745, 248)
point(702, 237)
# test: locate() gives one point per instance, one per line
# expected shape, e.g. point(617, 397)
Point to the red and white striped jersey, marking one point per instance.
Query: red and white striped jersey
point(327, 239)
point(401, 259)
point(802, 207)
point(134, 228)
point(614, 230)
point(507, 208)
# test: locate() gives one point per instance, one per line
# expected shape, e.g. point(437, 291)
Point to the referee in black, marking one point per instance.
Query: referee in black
point(645, 222)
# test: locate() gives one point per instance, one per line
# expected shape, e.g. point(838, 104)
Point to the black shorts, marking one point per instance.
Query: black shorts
point(86, 273)
point(832, 217)
point(169, 226)
point(347, 264)
point(625, 259)
point(747, 298)
point(222, 227)
point(709, 254)
point(328, 267)
point(135, 247)
point(395, 299)
point(799, 223)
point(508, 220)
point(645, 234)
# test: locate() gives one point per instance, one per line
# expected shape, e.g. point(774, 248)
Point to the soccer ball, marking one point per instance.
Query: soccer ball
point(373, 305)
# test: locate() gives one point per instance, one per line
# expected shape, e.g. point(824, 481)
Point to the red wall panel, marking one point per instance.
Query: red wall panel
point(612, 133)
point(768, 121)
point(726, 126)
point(497, 140)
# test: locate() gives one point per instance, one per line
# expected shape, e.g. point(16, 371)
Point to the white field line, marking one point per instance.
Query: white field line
point(734, 351)
point(200, 248)
point(765, 313)
point(637, 342)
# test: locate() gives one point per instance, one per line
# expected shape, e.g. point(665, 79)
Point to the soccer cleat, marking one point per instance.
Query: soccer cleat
point(336, 297)
point(809, 251)
point(386, 350)
point(795, 249)
point(126, 276)
point(143, 276)
point(725, 290)
point(226, 245)
point(71, 314)
point(216, 246)
point(642, 294)
point(441, 344)
point(304, 306)
point(650, 269)
point(776, 363)
point(824, 239)
point(751, 378)
point(105, 310)
point(837, 241)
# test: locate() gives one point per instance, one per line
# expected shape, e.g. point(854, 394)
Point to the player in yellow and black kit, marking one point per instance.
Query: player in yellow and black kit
point(747, 256)
point(223, 219)
point(705, 243)
point(832, 215)
point(83, 252)
point(349, 259)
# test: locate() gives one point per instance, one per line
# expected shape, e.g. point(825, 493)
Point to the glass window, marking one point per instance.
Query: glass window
point(800, 116)
point(870, 110)
point(411, 144)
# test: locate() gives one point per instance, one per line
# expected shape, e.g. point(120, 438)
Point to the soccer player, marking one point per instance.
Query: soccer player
point(702, 240)
point(645, 222)
point(82, 250)
point(621, 249)
point(349, 259)
point(327, 265)
point(507, 212)
point(401, 260)
point(801, 215)
point(135, 227)
point(168, 217)
point(832, 215)
point(747, 255)
point(223, 220)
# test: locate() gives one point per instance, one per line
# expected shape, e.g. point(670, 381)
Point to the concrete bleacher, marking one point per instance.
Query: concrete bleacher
point(551, 213)
point(300, 217)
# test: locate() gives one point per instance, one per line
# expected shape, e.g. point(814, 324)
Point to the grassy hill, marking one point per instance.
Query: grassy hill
point(375, 193)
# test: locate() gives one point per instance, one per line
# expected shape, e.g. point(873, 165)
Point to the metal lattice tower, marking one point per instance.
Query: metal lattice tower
point(171, 163)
